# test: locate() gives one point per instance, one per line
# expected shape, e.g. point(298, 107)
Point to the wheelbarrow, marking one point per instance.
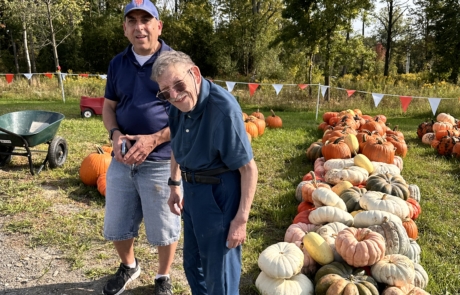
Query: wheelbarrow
point(27, 129)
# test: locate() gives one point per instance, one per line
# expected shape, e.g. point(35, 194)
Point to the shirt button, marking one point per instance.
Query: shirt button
point(186, 130)
point(189, 116)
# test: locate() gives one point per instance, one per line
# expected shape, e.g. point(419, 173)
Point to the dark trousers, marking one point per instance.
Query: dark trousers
point(210, 267)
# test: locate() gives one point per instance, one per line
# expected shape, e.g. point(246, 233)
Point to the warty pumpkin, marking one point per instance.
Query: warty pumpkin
point(388, 183)
point(396, 239)
point(427, 138)
point(383, 168)
point(299, 284)
point(94, 165)
point(394, 270)
point(360, 246)
point(424, 128)
point(354, 174)
point(337, 164)
point(281, 260)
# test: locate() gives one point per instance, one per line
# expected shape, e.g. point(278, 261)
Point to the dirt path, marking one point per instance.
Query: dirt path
point(26, 271)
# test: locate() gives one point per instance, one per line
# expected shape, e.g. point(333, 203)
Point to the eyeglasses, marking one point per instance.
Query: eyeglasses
point(179, 87)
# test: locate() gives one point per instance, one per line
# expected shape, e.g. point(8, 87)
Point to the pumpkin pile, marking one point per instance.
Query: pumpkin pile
point(93, 168)
point(443, 135)
point(256, 123)
point(355, 218)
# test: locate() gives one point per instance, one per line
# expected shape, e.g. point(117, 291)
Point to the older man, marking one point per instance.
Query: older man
point(212, 155)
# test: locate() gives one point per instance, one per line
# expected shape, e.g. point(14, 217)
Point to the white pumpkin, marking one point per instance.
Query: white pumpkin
point(327, 214)
point(338, 164)
point(326, 197)
point(373, 217)
point(394, 270)
point(281, 260)
point(299, 284)
point(382, 168)
point(353, 174)
point(414, 192)
point(373, 200)
point(421, 277)
point(413, 253)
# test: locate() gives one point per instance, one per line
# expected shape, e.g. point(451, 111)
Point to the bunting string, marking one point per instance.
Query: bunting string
point(252, 87)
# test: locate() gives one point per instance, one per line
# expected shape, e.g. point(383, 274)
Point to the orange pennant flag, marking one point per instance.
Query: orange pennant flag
point(252, 88)
point(302, 86)
point(9, 78)
point(350, 92)
point(83, 75)
point(49, 75)
point(405, 101)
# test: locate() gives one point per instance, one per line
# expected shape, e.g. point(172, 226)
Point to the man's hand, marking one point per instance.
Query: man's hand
point(237, 233)
point(175, 201)
point(138, 152)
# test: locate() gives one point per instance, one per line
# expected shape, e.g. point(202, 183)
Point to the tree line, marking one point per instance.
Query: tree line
point(245, 40)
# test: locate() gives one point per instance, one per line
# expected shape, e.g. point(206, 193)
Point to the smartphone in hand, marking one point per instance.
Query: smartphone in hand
point(124, 148)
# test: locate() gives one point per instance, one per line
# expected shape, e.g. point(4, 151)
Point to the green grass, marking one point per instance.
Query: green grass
point(56, 209)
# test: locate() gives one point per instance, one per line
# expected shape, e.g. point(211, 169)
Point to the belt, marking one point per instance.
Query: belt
point(207, 176)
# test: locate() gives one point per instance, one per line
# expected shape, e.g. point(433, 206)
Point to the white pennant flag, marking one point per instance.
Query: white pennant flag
point(28, 76)
point(434, 103)
point(63, 75)
point(277, 87)
point(230, 86)
point(377, 98)
point(324, 89)
point(103, 77)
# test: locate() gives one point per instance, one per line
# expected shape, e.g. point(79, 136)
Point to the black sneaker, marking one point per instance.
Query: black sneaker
point(162, 286)
point(123, 276)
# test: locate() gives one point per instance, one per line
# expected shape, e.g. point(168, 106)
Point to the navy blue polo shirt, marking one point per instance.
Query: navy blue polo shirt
point(212, 135)
point(138, 111)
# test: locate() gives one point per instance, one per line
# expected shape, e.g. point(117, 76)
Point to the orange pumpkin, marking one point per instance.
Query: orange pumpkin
point(379, 151)
point(101, 183)
point(399, 144)
point(251, 128)
point(258, 115)
point(273, 121)
point(336, 149)
point(303, 216)
point(94, 165)
point(410, 227)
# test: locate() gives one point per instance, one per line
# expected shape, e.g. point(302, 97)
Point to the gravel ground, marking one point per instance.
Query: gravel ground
point(26, 271)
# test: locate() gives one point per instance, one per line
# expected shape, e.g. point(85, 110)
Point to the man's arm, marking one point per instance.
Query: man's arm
point(109, 119)
point(175, 198)
point(237, 233)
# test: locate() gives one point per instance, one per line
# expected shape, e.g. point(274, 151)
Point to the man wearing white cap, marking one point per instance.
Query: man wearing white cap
point(137, 179)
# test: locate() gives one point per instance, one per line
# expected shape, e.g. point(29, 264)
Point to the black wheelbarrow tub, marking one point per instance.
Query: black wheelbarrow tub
point(35, 127)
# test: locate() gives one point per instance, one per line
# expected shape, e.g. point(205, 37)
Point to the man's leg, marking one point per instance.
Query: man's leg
point(166, 257)
point(125, 250)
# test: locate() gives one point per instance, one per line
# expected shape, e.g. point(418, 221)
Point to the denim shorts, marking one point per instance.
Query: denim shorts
point(136, 193)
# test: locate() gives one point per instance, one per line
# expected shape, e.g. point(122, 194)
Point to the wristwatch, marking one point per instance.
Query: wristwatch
point(112, 131)
point(173, 182)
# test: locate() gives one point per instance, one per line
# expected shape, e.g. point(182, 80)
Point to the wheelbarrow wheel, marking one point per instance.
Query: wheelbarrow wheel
point(87, 113)
point(57, 152)
point(5, 159)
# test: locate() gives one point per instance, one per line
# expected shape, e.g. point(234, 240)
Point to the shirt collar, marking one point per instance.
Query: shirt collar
point(128, 52)
point(203, 99)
